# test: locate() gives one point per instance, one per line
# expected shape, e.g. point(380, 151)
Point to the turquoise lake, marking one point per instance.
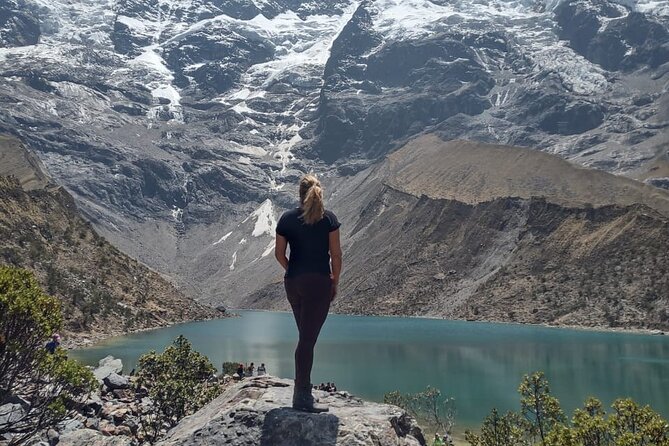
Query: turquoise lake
point(479, 364)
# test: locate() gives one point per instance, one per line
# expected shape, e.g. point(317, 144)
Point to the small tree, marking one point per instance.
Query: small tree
point(47, 383)
point(179, 383)
point(542, 419)
point(499, 430)
point(539, 407)
point(428, 407)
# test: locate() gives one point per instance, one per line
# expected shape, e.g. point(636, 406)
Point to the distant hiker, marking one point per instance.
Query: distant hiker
point(240, 370)
point(261, 369)
point(53, 344)
point(438, 441)
point(250, 369)
point(313, 236)
point(333, 388)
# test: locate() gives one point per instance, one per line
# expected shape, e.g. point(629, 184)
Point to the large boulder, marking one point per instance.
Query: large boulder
point(258, 412)
point(115, 381)
point(107, 366)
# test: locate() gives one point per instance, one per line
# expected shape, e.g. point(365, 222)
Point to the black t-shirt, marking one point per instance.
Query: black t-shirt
point(309, 244)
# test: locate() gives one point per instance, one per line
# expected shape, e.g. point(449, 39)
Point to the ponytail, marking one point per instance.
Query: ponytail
point(311, 197)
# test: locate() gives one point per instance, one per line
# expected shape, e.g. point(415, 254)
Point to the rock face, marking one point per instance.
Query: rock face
point(257, 412)
point(180, 127)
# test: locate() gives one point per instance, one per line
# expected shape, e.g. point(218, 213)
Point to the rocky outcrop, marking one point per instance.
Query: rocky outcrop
point(613, 35)
point(18, 27)
point(257, 412)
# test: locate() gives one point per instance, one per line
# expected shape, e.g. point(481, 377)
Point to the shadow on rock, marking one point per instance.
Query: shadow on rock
point(285, 426)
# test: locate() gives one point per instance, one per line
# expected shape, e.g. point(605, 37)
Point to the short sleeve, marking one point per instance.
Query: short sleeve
point(334, 222)
point(282, 226)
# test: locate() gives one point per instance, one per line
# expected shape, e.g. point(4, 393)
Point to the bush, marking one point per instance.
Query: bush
point(542, 422)
point(229, 368)
point(49, 383)
point(429, 408)
point(179, 382)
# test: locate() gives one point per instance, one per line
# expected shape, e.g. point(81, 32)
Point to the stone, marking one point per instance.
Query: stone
point(11, 413)
point(92, 423)
point(107, 428)
point(114, 381)
point(53, 436)
point(119, 415)
point(123, 430)
point(257, 412)
point(93, 404)
point(124, 395)
point(107, 366)
point(69, 425)
point(89, 437)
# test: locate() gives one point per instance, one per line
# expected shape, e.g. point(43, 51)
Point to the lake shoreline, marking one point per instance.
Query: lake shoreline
point(75, 341)
point(601, 329)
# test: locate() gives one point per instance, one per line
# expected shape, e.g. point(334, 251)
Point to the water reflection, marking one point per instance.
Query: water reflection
point(478, 364)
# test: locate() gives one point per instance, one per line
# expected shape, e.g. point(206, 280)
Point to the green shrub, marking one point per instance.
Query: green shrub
point(229, 368)
point(49, 382)
point(428, 407)
point(542, 422)
point(179, 382)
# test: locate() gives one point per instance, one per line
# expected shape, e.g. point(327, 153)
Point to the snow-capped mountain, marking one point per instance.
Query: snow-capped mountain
point(180, 126)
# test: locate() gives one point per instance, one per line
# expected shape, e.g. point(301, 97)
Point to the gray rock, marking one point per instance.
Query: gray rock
point(69, 425)
point(107, 366)
point(11, 413)
point(258, 412)
point(89, 437)
point(53, 436)
point(93, 403)
point(115, 381)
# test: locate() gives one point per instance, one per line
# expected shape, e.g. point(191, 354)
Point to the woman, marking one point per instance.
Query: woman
point(313, 235)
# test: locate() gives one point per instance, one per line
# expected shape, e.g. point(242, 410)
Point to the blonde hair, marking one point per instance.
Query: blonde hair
point(311, 198)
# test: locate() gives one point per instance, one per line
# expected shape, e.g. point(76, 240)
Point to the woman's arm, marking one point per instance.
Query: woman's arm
point(336, 257)
point(280, 250)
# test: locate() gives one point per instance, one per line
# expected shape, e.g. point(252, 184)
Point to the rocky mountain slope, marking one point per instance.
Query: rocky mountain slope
point(178, 126)
point(103, 291)
point(476, 231)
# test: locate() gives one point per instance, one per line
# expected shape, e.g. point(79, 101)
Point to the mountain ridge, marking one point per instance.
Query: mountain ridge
point(103, 291)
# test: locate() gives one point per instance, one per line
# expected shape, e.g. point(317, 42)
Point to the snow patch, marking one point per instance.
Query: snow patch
point(265, 220)
point(234, 260)
point(269, 249)
point(222, 239)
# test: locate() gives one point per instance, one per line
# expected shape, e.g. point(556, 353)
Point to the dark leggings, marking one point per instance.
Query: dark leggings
point(309, 296)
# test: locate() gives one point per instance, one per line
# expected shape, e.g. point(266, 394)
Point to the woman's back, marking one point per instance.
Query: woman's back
point(309, 243)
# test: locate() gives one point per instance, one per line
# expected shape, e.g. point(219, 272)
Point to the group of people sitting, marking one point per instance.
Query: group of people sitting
point(249, 370)
point(442, 440)
point(329, 387)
